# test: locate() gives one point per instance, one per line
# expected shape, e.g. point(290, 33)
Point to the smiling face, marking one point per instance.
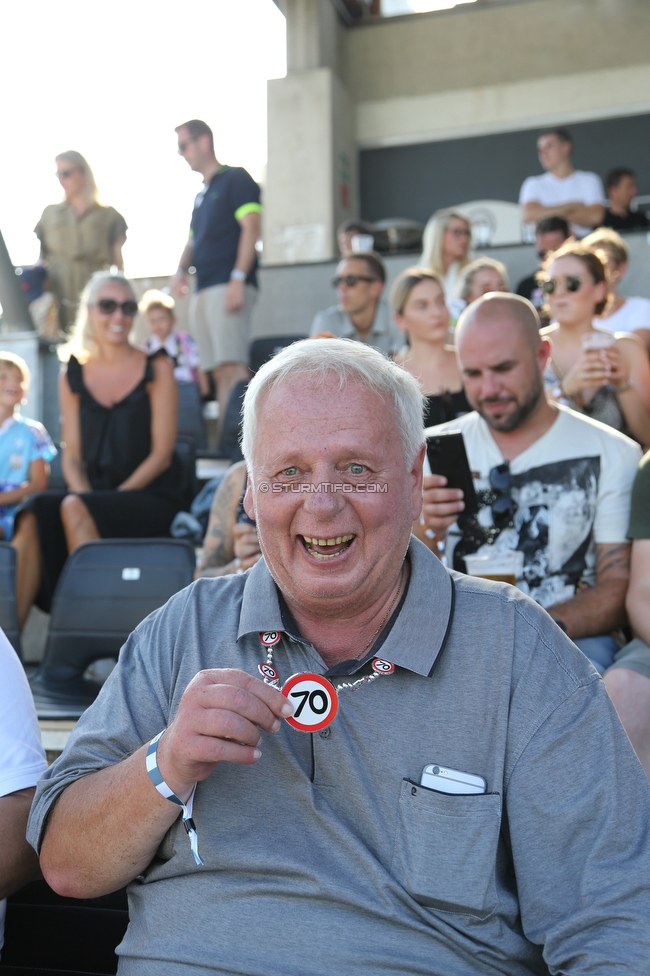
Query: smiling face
point(110, 328)
point(425, 315)
point(573, 307)
point(331, 550)
point(13, 388)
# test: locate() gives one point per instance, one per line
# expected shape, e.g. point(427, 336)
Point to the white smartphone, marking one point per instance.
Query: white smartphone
point(446, 780)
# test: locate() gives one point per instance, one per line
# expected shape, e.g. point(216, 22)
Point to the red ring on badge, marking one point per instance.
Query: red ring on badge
point(381, 666)
point(270, 637)
point(311, 699)
point(268, 671)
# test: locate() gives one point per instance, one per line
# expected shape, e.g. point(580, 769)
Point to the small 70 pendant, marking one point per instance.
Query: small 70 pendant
point(315, 700)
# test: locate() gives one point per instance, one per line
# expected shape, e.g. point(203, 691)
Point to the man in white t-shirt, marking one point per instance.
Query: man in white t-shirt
point(562, 190)
point(22, 761)
point(550, 482)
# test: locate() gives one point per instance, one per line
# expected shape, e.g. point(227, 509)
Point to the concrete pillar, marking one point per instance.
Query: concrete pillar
point(311, 181)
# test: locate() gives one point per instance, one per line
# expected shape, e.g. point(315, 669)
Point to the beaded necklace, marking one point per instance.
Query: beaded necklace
point(316, 697)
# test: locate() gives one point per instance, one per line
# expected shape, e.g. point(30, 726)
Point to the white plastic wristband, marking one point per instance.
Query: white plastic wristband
point(238, 275)
point(156, 778)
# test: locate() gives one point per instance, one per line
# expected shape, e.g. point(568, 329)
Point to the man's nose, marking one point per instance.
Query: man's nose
point(491, 385)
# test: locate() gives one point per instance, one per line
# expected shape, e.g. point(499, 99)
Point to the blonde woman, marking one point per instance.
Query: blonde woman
point(605, 376)
point(418, 302)
point(622, 314)
point(78, 236)
point(118, 410)
point(445, 247)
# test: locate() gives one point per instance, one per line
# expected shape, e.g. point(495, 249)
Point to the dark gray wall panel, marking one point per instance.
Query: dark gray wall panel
point(413, 181)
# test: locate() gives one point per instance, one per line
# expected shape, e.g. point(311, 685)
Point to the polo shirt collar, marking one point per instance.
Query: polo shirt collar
point(419, 633)
point(380, 323)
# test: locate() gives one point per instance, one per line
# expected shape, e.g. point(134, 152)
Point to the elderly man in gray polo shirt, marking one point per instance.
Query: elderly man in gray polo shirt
point(349, 759)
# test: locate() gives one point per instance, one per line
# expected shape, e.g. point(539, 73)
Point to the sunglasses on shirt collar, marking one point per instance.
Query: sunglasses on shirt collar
point(571, 282)
point(504, 506)
point(108, 305)
point(351, 280)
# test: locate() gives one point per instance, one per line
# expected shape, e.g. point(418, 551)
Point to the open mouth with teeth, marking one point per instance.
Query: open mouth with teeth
point(327, 548)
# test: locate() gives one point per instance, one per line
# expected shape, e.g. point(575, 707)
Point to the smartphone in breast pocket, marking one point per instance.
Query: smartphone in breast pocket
point(447, 456)
point(446, 780)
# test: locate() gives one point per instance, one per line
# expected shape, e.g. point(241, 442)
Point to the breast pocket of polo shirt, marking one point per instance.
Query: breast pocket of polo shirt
point(446, 849)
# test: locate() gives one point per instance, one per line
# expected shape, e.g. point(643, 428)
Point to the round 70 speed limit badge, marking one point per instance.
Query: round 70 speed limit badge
point(314, 699)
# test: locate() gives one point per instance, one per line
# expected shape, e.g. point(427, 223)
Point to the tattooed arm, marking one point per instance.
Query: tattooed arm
point(218, 551)
point(599, 609)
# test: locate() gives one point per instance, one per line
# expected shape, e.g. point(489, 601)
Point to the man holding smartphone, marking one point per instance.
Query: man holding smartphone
point(348, 759)
point(550, 482)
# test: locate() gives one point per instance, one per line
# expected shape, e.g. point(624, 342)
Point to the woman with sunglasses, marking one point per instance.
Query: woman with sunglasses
point(78, 236)
point(118, 409)
point(445, 247)
point(604, 376)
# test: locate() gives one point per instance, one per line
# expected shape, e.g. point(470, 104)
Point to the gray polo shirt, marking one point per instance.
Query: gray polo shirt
point(384, 334)
point(328, 857)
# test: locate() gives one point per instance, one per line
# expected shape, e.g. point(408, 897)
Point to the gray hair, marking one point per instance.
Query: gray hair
point(350, 362)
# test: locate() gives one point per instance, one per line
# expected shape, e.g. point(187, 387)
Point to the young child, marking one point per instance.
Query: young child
point(159, 310)
point(25, 445)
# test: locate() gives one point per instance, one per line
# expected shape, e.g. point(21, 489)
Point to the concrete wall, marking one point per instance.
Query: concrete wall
point(498, 67)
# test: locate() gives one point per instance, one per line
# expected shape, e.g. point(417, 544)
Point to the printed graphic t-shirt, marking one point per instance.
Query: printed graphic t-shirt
point(571, 489)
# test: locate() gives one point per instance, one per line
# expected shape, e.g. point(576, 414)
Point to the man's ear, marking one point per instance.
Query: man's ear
point(416, 476)
point(249, 506)
point(543, 354)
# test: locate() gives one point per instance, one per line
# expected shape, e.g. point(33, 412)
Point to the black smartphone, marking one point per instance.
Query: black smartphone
point(447, 456)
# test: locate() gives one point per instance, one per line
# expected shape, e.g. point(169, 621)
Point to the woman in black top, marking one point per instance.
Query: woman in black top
point(119, 412)
point(418, 302)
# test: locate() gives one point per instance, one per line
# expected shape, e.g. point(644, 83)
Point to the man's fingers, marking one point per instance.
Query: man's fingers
point(217, 685)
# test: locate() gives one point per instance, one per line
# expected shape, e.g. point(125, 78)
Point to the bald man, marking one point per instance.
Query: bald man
point(550, 482)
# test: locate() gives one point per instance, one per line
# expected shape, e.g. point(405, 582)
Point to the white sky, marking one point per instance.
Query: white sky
point(111, 80)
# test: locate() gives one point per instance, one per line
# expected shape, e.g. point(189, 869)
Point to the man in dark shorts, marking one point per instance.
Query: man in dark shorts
point(224, 230)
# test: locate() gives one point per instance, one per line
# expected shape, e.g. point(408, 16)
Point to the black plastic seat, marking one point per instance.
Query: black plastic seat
point(261, 350)
point(190, 414)
point(8, 614)
point(48, 934)
point(185, 447)
point(105, 590)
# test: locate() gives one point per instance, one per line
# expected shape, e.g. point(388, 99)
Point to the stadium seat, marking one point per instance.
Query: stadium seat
point(261, 350)
point(190, 414)
point(49, 935)
point(105, 590)
point(8, 615)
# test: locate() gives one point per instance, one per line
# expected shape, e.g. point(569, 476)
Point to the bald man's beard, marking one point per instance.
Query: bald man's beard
point(516, 417)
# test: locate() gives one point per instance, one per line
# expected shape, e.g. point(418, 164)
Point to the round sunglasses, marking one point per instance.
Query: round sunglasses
point(572, 283)
point(107, 306)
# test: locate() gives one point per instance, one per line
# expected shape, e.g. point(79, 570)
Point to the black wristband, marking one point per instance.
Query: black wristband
point(560, 623)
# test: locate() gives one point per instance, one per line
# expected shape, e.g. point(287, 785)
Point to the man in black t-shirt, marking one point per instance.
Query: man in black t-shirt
point(224, 230)
point(621, 189)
